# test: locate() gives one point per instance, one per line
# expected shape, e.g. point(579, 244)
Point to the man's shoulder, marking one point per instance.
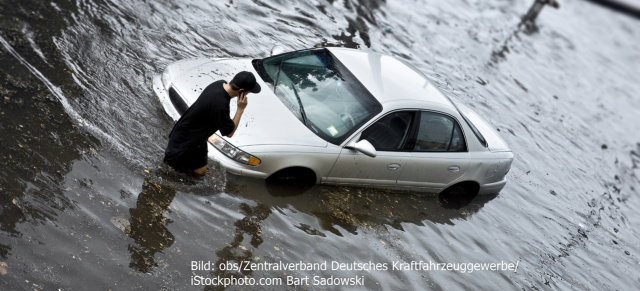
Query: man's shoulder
point(213, 96)
point(214, 91)
point(215, 86)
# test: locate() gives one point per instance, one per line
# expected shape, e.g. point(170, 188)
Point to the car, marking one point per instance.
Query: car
point(343, 116)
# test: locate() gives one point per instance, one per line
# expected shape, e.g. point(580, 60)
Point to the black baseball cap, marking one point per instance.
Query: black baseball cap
point(246, 80)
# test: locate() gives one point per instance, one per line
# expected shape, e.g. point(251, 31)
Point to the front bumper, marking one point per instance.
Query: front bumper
point(163, 96)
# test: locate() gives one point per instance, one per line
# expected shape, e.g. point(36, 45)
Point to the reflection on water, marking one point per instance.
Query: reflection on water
point(527, 25)
point(351, 208)
point(335, 208)
point(529, 19)
point(148, 225)
point(246, 239)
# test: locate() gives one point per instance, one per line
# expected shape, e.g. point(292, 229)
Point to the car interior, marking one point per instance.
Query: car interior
point(388, 133)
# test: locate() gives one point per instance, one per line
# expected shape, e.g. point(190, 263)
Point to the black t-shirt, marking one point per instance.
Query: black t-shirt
point(207, 115)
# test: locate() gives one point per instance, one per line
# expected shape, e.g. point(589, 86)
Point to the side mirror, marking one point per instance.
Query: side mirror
point(276, 50)
point(365, 147)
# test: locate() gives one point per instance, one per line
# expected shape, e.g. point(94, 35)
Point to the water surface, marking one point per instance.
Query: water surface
point(85, 202)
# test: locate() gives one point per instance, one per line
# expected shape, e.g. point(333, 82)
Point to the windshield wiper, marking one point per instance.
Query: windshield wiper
point(304, 115)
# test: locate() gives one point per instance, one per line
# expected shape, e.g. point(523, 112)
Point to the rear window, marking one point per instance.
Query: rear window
point(476, 132)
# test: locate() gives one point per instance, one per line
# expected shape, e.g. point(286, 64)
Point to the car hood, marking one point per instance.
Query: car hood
point(266, 120)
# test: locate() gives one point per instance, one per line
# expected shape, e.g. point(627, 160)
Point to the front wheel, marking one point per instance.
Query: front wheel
point(291, 181)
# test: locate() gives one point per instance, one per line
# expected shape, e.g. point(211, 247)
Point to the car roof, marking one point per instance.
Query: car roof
point(388, 78)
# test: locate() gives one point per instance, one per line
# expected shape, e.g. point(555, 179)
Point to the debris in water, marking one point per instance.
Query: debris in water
point(536, 8)
point(121, 223)
point(3, 268)
point(521, 86)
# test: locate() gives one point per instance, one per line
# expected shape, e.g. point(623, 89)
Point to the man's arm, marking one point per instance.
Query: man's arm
point(242, 104)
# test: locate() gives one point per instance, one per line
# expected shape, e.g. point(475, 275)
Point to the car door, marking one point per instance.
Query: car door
point(388, 136)
point(438, 153)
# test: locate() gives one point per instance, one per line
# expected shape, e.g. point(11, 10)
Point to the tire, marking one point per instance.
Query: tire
point(459, 195)
point(291, 181)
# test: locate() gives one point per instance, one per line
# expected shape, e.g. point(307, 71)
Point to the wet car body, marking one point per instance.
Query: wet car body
point(345, 117)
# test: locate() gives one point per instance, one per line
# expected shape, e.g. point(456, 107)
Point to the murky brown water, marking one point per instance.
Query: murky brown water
point(85, 203)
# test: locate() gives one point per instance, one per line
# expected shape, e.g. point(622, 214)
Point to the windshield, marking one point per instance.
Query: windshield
point(320, 92)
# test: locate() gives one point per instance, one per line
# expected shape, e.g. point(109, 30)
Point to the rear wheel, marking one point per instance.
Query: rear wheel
point(459, 195)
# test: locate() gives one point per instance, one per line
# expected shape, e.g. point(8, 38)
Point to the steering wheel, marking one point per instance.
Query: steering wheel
point(347, 118)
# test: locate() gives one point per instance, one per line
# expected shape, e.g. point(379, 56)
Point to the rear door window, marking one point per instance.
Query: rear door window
point(438, 133)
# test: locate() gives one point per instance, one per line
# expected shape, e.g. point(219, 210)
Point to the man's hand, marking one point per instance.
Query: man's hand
point(242, 100)
point(242, 104)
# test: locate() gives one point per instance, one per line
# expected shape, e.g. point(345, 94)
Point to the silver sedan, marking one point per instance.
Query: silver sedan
point(345, 117)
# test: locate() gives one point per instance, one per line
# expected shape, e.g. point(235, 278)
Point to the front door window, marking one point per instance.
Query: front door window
point(390, 132)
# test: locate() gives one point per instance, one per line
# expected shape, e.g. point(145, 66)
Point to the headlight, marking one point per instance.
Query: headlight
point(233, 152)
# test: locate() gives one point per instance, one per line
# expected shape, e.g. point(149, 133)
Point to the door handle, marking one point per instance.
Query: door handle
point(393, 167)
point(454, 169)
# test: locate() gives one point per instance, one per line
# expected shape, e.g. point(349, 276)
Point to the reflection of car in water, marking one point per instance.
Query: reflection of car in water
point(346, 117)
point(349, 208)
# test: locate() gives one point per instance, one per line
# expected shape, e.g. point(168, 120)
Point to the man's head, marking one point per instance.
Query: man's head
point(245, 81)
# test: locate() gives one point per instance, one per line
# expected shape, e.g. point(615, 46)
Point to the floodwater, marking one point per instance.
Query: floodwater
point(86, 204)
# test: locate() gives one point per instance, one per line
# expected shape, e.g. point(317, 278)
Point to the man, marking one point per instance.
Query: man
point(187, 148)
